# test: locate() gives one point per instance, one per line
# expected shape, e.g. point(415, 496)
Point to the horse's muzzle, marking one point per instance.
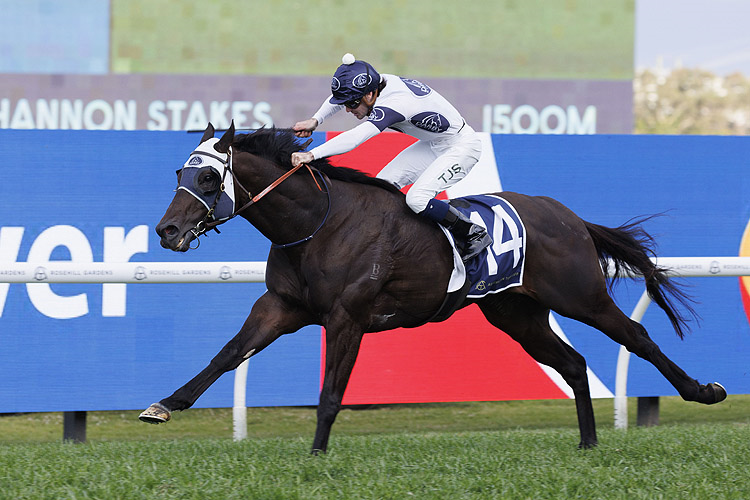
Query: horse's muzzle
point(172, 238)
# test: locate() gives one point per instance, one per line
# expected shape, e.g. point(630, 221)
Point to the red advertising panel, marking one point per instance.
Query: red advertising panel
point(461, 359)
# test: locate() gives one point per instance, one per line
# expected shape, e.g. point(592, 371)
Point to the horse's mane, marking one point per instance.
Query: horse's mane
point(278, 145)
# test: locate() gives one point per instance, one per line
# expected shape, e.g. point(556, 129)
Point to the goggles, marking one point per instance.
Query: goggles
point(352, 104)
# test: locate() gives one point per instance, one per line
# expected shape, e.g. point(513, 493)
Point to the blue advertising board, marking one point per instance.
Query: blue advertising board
point(701, 185)
point(123, 351)
point(89, 194)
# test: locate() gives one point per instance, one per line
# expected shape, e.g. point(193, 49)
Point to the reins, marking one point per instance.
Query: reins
point(205, 225)
point(325, 217)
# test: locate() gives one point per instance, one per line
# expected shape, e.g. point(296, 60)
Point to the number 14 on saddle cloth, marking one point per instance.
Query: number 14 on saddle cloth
point(501, 265)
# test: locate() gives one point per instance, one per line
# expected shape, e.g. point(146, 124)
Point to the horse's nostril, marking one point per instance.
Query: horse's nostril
point(167, 231)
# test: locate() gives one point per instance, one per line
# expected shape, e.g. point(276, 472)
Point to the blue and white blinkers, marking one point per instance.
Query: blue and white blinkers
point(218, 199)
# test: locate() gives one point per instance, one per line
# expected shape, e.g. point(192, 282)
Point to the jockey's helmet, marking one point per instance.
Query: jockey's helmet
point(352, 80)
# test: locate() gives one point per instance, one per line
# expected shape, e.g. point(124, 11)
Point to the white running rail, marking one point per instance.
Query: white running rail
point(254, 272)
point(132, 272)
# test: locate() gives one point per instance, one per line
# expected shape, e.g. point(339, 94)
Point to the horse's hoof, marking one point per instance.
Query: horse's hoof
point(720, 394)
point(155, 414)
point(587, 446)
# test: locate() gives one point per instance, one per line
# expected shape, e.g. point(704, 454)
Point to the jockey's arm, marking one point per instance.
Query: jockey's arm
point(305, 128)
point(342, 143)
point(346, 141)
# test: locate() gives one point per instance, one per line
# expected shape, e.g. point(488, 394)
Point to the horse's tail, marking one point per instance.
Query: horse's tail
point(630, 247)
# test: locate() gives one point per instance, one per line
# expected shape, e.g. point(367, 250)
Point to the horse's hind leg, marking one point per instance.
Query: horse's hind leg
point(616, 325)
point(527, 322)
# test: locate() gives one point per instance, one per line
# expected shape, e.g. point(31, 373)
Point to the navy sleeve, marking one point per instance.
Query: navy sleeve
point(383, 117)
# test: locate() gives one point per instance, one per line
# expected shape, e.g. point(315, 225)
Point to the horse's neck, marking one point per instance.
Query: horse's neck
point(289, 212)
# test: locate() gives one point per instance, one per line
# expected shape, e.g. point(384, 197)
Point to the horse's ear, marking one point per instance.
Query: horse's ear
point(226, 140)
point(208, 134)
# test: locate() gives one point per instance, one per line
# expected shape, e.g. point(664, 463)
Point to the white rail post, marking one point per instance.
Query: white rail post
point(623, 360)
point(239, 410)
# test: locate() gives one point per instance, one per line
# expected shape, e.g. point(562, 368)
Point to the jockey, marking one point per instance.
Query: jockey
point(446, 150)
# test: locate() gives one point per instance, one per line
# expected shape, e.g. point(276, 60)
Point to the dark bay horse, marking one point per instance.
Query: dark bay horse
point(359, 224)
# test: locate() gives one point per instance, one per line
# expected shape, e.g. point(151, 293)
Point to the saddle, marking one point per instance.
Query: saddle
point(498, 267)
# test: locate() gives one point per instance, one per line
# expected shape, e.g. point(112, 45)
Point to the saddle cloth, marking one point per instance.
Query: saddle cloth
point(500, 266)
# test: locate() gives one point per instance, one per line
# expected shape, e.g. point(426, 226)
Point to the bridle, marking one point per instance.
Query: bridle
point(209, 222)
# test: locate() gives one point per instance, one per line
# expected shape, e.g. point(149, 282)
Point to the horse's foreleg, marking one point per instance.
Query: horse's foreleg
point(527, 322)
point(269, 319)
point(342, 346)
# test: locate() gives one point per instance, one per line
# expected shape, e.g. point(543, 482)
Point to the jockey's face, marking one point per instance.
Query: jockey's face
point(364, 108)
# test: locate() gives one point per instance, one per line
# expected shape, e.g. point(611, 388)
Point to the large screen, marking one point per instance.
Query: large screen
point(532, 67)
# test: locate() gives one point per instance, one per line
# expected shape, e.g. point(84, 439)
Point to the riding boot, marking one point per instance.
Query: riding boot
point(470, 238)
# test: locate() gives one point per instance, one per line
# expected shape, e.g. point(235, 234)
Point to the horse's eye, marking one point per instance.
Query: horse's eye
point(207, 181)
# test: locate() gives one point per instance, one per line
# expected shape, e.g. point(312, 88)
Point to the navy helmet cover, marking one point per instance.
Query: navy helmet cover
point(352, 80)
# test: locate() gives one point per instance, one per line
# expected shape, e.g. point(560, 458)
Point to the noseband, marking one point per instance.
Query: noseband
point(209, 222)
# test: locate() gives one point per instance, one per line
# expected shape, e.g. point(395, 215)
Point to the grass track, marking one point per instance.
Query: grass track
point(685, 461)
point(462, 450)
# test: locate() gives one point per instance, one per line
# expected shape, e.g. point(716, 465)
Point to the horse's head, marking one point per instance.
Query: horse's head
point(205, 194)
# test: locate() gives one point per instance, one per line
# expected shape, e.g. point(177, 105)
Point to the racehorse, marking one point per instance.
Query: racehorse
point(332, 228)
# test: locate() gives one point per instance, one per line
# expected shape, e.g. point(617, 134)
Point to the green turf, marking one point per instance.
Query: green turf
point(671, 462)
point(519, 449)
